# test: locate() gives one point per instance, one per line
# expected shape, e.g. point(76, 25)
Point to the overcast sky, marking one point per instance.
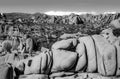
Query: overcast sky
point(33, 6)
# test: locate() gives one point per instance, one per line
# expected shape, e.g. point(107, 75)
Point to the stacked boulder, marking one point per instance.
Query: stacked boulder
point(98, 53)
point(93, 54)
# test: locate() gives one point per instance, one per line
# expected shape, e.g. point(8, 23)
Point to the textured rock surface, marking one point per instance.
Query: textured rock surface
point(82, 58)
point(67, 44)
point(117, 45)
point(34, 76)
point(63, 60)
point(6, 71)
point(106, 56)
point(91, 53)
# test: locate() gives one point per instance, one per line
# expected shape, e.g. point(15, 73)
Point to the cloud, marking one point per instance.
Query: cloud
point(60, 13)
point(114, 12)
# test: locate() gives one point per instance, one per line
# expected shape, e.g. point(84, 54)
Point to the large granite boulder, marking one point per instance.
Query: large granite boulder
point(106, 56)
point(115, 23)
point(117, 46)
point(34, 76)
point(68, 44)
point(63, 60)
point(82, 57)
point(91, 53)
point(40, 64)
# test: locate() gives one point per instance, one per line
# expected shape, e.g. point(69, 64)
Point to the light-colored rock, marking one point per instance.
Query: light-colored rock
point(33, 65)
point(67, 77)
point(40, 64)
point(34, 76)
point(91, 53)
point(82, 61)
point(49, 62)
point(66, 36)
point(106, 56)
point(117, 45)
point(43, 49)
point(12, 58)
point(109, 36)
point(65, 44)
point(63, 60)
point(6, 71)
point(61, 74)
point(116, 23)
point(15, 43)
point(29, 45)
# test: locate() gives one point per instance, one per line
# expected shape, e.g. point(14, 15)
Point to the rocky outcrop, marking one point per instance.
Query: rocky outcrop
point(70, 56)
point(106, 56)
point(89, 54)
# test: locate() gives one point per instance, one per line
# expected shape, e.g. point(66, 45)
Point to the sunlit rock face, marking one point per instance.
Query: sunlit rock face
point(85, 57)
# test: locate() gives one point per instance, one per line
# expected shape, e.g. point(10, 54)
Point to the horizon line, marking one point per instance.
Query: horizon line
point(59, 13)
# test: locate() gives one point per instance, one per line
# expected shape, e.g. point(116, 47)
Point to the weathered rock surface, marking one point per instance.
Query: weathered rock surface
point(67, 44)
point(91, 53)
point(82, 58)
point(63, 60)
point(117, 45)
point(6, 71)
point(34, 76)
point(106, 56)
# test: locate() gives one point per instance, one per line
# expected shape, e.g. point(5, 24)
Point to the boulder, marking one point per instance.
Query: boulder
point(12, 58)
point(33, 65)
point(49, 62)
point(67, 77)
point(7, 45)
point(106, 56)
point(115, 23)
point(43, 49)
point(109, 36)
point(15, 43)
point(34, 76)
point(2, 59)
point(29, 45)
point(66, 36)
point(91, 53)
point(63, 60)
point(117, 45)
point(82, 60)
point(6, 71)
point(68, 44)
point(61, 74)
point(75, 19)
point(40, 64)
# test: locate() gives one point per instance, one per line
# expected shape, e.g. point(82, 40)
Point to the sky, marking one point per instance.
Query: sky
point(33, 6)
